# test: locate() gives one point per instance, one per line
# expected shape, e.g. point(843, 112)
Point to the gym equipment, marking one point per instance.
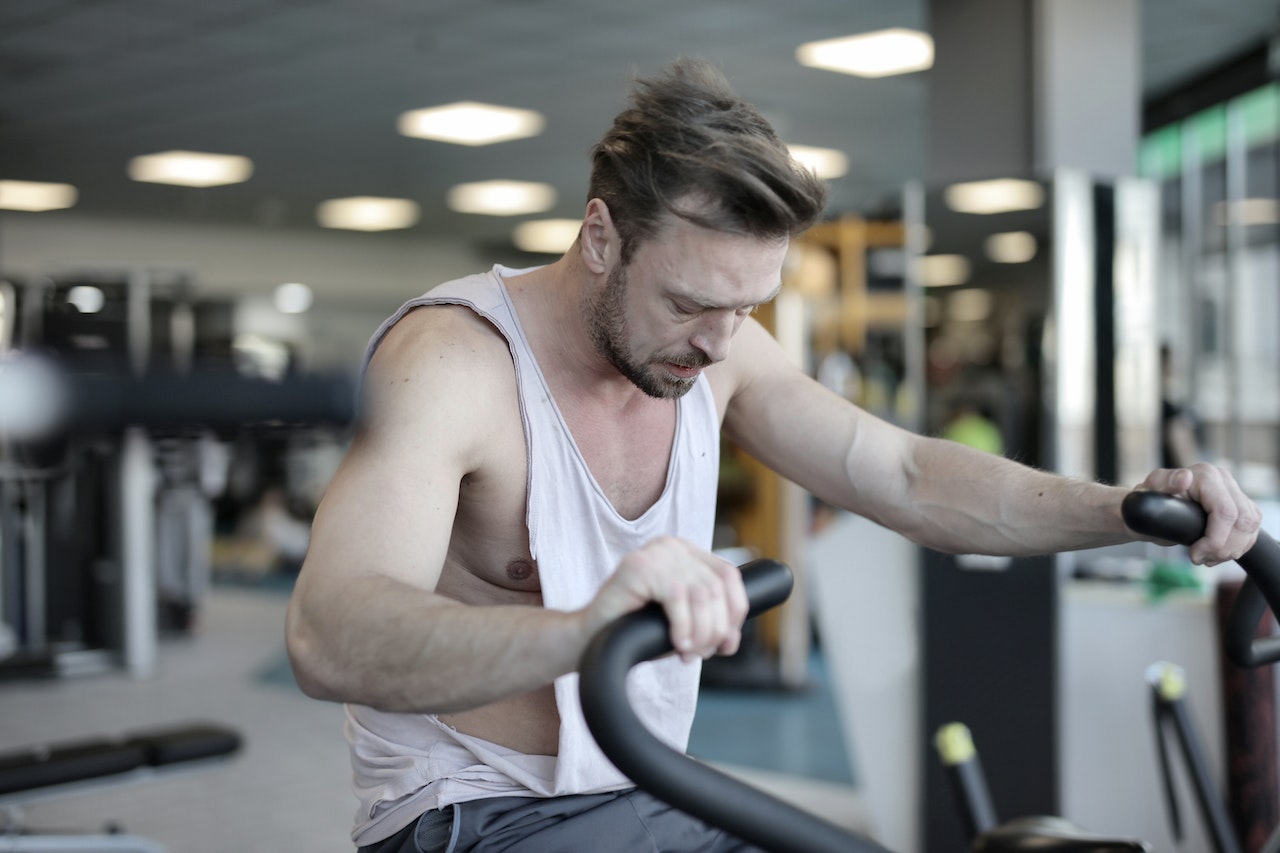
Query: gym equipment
point(772, 825)
point(1183, 522)
point(687, 784)
point(1174, 520)
point(105, 536)
point(39, 398)
point(76, 767)
point(1169, 710)
point(955, 748)
point(720, 800)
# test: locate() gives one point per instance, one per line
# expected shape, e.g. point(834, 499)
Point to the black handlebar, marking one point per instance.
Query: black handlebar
point(689, 785)
point(1182, 521)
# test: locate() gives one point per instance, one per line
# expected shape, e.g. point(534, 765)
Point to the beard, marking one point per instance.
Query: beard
point(606, 319)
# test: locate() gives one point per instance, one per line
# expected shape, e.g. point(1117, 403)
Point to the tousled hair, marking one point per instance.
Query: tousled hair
point(688, 145)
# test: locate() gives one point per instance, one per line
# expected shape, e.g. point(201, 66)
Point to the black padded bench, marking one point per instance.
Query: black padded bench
point(73, 766)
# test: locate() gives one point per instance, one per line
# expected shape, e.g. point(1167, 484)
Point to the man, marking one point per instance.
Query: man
point(538, 456)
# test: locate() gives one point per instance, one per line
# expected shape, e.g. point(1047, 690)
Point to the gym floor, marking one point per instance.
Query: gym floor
point(287, 790)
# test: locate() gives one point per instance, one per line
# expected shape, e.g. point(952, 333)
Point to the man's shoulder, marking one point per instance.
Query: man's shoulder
point(441, 336)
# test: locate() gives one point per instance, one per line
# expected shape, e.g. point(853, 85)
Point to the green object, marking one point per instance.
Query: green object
point(1168, 576)
point(975, 431)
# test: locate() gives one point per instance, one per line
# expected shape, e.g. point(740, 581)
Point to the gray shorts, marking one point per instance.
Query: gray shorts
point(626, 822)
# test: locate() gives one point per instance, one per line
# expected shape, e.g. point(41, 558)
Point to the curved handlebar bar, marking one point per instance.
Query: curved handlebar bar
point(689, 785)
point(1182, 521)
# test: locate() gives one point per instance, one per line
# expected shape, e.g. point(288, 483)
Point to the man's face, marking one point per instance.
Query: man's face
point(673, 309)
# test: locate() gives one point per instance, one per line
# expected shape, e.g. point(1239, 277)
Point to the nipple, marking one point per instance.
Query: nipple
point(520, 570)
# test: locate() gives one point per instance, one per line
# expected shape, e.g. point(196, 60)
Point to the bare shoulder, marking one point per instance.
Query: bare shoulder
point(438, 365)
point(437, 392)
point(438, 340)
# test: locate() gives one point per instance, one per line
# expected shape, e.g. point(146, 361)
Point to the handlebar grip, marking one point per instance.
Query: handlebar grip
point(1164, 517)
point(691, 786)
point(1183, 521)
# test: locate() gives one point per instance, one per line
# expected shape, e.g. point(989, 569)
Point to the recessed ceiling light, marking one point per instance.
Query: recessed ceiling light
point(501, 198)
point(36, 196)
point(875, 54)
point(191, 168)
point(943, 270)
point(970, 305)
point(826, 163)
point(470, 123)
point(292, 297)
point(996, 196)
point(1011, 247)
point(86, 298)
point(552, 236)
point(367, 213)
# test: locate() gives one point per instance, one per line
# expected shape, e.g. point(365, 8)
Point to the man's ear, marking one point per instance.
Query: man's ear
point(599, 238)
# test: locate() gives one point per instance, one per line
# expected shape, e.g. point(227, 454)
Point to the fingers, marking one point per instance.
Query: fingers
point(1233, 519)
point(701, 593)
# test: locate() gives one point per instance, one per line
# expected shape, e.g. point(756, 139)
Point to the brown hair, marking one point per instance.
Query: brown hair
point(688, 145)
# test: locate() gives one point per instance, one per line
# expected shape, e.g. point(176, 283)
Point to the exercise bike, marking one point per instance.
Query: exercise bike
point(779, 827)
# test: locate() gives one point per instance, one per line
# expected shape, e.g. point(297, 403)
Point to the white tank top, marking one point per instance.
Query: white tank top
point(405, 764)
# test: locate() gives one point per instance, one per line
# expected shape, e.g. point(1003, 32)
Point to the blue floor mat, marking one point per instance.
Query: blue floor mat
point(795, 732)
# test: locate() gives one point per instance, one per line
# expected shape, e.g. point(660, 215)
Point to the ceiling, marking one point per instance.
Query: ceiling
point(310, 90)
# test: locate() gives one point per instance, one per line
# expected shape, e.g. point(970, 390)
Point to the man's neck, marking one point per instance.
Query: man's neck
point(549, 303)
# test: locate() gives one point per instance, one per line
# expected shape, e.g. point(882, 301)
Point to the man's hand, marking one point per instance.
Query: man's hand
point(1234, 520)
point(701, 593)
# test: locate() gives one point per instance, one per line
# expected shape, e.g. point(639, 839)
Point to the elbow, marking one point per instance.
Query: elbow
point(314, 669)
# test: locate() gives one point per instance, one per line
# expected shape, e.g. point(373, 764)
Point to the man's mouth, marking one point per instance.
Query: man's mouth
point(682, 371)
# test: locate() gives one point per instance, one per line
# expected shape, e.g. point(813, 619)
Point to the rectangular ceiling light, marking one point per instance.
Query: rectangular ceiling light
point(876, 54)
point(826, 163)
point(1248, 211)
point(1011, 247)
point(1001, 195)
point(552, 236)
point(470, 123)
point(191, 168)
point(501, 198)
point(36, 196)
point(368, 213)
point(944, 270)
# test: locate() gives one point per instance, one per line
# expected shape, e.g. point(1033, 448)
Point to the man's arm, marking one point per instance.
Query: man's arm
point(939, 493)
point(365, 624)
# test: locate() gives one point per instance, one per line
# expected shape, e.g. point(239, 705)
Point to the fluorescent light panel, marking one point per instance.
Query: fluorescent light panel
point(86, 298)
point(970, 305)
point(826, 163)
point(944, 270)
point(876, 54)
point(367, 213)
point(1011, 247)
point(1001, 195)
point(470, 123)
point(552, 236)
point(501, 198)
point(292, 297)
point(191, 168)
point(36, 196)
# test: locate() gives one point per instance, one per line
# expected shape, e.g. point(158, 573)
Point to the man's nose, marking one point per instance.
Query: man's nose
point(714, 335)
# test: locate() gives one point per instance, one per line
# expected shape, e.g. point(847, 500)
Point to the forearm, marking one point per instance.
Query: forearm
point(399, 648)
point(961, 500)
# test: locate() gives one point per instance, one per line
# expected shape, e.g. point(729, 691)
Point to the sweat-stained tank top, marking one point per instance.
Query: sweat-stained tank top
point(405, 764)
